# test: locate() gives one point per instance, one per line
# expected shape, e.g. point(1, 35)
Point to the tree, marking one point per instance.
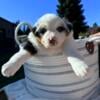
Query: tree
point(95, 25)
point(72, 10)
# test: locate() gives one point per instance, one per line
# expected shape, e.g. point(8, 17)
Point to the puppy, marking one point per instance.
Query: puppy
point(48, 37)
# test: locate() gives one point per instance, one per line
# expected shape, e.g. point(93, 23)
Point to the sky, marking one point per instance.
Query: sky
point(30, 10)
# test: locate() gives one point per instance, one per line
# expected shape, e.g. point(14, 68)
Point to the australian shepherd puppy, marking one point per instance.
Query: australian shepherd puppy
point(48, 37)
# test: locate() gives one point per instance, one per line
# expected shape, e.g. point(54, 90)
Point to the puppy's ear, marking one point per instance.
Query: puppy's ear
point(34, 29)
point(68, 24)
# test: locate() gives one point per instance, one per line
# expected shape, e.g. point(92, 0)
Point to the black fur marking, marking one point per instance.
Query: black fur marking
point(30, 48)
point(34, 29)
point(70, 26)
point(37, 34)
point(42, 30)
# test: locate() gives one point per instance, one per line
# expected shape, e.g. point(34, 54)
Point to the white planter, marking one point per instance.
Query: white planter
point(45, 78)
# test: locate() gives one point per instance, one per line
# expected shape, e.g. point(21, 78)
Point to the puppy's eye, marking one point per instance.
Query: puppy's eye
point(37, 34)
point(60, 29)
point(42, 30)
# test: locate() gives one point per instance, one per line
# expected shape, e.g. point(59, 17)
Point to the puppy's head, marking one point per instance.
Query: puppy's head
point(51, 31)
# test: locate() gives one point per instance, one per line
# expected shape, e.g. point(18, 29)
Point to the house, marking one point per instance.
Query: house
point(6, 33)
point(7, 48)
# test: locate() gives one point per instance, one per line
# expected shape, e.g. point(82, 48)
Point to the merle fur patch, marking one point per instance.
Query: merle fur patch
point(30, 48)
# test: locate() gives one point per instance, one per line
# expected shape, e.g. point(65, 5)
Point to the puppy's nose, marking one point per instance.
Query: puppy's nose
point(53, 41)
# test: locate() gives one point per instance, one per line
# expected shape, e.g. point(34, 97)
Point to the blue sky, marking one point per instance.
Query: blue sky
point(31, 10)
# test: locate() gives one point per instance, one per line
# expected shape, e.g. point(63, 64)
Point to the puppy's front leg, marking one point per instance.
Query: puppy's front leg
point(15, 62)
point(75, 59)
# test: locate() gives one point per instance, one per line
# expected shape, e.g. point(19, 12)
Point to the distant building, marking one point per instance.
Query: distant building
point(6, 33)
point(93, 30)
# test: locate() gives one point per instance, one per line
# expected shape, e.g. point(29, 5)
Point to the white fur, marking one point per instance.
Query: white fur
point(51, 22)
point(15, 62)
point(74, 58)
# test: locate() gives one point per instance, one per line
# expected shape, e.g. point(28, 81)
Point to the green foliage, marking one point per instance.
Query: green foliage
point(83, 35)
point(95, 25)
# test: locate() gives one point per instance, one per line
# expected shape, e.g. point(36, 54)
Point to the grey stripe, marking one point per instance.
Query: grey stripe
point(94, 90)
point(50, 73)
point(87, 54)
point(18, 96)
point(92, 65)
point(58, 85)
point(65, 92)
point(58, 54)
point(97, 70)
point(82, 48)
point(90, 95)
point(31, 92)
point(54, 66)
point(55, 73)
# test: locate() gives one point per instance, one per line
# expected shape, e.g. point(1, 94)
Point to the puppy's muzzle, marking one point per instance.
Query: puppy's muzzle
point(53, 41)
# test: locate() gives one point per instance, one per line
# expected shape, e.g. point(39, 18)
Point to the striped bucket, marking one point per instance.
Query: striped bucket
point(52, 77)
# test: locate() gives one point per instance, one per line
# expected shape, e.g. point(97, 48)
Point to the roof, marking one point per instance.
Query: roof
point(7, 21)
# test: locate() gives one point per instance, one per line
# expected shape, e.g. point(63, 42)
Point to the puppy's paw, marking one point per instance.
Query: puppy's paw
point(8, 70)
point(78, 66)
point(80, 69)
